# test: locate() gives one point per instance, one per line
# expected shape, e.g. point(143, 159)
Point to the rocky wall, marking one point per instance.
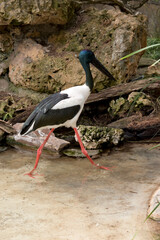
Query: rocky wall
point(18, 12)
point(39, 40)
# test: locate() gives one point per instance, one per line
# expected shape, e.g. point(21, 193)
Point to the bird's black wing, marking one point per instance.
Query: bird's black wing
point(55, 116)
point(43, 107)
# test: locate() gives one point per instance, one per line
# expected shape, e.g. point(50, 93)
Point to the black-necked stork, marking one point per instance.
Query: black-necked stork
point(64, 108)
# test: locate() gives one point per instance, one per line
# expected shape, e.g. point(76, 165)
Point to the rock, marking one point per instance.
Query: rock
point(114, 35)
point(127, 37)
point(6, 43)
point(153, 70)
point(35, 139)
point(53, 66)
point(136, 102)
point(148, 9)
point(140, 102)
point(74, 152)
point(3, 85)
point(31, 67)
point(145, 62)
point(147, 68)
point(3, 67)
point(155, 200)
point(6, 47)
point(18, 12)
point(117, 107)
point(140, 99)
point(94, 137)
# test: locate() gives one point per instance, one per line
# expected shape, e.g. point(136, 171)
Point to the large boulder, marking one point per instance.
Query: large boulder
point(17, 12)
point(32, 67)
point(52, 66)
point(111, 34)
point(129, 35)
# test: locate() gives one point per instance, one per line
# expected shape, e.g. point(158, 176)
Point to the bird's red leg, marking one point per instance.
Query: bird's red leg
point(39, 151)
point(86, 153)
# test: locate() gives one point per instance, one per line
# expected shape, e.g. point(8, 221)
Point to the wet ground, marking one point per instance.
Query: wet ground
point(74, 200)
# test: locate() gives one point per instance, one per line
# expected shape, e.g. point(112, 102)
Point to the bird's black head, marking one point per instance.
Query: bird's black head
point(87, 56)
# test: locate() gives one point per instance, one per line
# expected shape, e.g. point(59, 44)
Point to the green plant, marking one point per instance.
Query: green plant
point(153, 53)
point(7, 116)
point(143, 49)
point(158, 204)
point(148, 216)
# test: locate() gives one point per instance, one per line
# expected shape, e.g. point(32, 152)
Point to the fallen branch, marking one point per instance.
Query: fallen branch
point(151, 85)
point(137, 122)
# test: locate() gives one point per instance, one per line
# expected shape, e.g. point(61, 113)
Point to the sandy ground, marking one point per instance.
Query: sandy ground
point(74, 200)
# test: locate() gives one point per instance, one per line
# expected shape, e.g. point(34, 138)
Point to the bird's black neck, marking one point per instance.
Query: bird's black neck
point(89, 78)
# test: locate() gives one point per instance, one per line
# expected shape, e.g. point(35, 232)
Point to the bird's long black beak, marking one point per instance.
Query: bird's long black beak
point(99, 66)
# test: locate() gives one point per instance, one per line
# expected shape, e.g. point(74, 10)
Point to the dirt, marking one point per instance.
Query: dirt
point(74, 200)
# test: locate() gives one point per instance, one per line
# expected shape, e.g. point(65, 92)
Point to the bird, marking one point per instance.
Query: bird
point(64, 108)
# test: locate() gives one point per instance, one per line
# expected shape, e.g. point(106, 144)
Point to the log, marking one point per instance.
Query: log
point(150, 85)
point(138, 126)
point(137, 122)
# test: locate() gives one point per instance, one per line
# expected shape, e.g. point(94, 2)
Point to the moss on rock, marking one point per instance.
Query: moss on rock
point(136, 101)
point(94, 137)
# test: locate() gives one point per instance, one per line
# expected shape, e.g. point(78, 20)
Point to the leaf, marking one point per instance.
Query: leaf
point(155, 63)
point(152, 212)
point(140, 50)
point(158, 145)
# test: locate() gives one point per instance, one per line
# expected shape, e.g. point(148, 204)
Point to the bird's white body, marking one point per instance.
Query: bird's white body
point(76, 96)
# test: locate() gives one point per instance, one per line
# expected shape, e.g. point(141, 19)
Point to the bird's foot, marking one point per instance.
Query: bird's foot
point(102, 167)
point(32, 175)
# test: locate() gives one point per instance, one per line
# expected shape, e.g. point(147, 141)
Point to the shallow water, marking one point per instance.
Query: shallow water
point(74, 200)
